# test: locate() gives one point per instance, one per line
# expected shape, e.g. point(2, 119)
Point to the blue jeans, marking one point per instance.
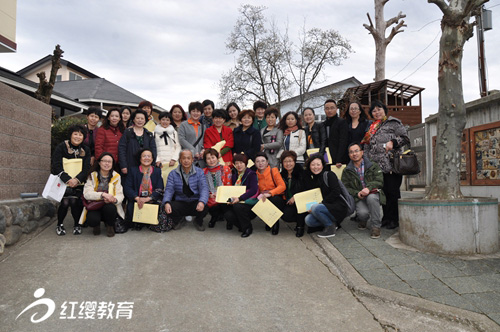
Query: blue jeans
point(320, 216)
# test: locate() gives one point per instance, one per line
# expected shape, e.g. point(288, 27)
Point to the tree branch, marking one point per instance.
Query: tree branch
point(445, 8)
point(370, 27)
point(397, 29)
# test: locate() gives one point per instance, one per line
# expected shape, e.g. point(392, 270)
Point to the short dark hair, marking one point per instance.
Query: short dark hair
point(378, 103)
point(134, 115)
point(362, 114)
point(282, 125)
point(261, 154)
point(97, 168)
point(207, 102)
point(246, 112)
point(235, 106)
point(94, 110)
point(220, 113)
point(240, 157)
point(165, 115)
point(77, 128)
point(195, 105)
point(139, 154)
point(211, 151)
point(353, 144)
point(308, 108)
point(330, 101)
point(288, 153)
point(312, 157)
point(259, 104)
point(272, 110)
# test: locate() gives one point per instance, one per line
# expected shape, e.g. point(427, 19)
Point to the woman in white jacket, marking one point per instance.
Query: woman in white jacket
point(294, 137)
point(167, 141)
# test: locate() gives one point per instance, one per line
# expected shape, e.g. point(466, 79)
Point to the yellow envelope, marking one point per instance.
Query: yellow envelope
point(328, 157)
point(147, 215)
point(219, 145)
point(338, 171)
point(72, 166)
point(305, 199)
point(226, 192)
point(267, 211)
point(151, 125)
point(250, 163)
point(165, 170)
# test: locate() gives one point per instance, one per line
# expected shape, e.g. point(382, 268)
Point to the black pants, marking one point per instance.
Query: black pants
point(240, 215)
point(107, 214)
point(217, 210)
point(290, 215)
point(76, 205)
point(181, 209)
point(392, 184)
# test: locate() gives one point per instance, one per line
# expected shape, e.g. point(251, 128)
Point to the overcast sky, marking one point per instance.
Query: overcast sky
point(174, 51)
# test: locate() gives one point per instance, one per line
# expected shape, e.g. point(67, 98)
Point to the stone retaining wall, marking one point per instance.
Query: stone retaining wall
point(22, 217)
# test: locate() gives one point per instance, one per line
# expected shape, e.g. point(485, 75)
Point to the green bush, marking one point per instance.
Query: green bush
point(59, 131)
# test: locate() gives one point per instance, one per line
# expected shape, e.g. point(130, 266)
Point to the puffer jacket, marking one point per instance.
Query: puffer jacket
point(196, 181)
point(390, 130)
point(272, 141)
point(318, 136)
point(298, 143)
point(168, 145)
point(374, 179)
point(107, 140)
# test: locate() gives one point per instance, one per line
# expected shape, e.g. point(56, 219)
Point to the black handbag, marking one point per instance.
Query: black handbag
point(120, 225)
point(404, 163)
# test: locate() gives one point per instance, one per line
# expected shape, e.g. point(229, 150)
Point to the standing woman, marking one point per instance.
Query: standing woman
point(333, 209)
point(126, 113)
point(167, 141)
point(232, 111)
point(147, 107)
point(239, 211)
point(294, 136)
point(178, 115)
point(217, 175)
point(271, 186)
point(192, 131)
point(93, 117)
point(217, 133)
point(293, 176)
point(246, 137)
point(386, 134)
point(315, 132)
point(72, 148)
point(134, 139)
point(142, 184)
point(103, 184)
point(272, 136)
point(357, 123)
point(108, 136)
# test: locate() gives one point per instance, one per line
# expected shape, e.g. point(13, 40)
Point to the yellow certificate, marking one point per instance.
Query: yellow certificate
point(147, 215)
point(327, 156)
point(72, 166)
point(219, 147)
point(151, 125)
point(250, 163)
point(165, 170)
point(226, 192)
point(267, 211)
point(306, 199)
point(338, 171)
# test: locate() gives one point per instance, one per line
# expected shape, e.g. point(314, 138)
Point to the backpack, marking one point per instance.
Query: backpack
point(344, 194)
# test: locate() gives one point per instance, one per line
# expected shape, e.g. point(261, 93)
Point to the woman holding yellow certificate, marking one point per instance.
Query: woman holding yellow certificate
point(104, 193)
point(71, 159)
point(217, 133)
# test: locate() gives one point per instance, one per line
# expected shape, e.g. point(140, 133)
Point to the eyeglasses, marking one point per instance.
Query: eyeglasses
point(106, 161)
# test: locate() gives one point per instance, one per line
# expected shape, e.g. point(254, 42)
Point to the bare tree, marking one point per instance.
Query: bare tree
point(45, 88)
point(378, 33)
point(456, 30)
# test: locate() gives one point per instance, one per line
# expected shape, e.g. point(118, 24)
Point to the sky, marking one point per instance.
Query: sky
point(173, 52)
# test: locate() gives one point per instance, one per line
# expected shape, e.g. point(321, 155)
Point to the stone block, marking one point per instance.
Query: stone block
point(29, 226)
point(12, 234)
point(6, 214)
point(3, 222)
point(21, 213)
point(2, 243)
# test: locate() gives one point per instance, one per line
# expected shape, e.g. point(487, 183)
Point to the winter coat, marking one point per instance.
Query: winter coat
point(317, 135)
point(249, 179)
point(356, 135)
point(259, 124)
point(91, 194)
point(90, 139)
point(247, 141)
point(63, 150)
point(272, 182)
point(336, 139)
point(129, 147)
point(168, 145)
point(196, 181)
point(134, 180)
point(107, 140)
point(213, 137)
point(390, 130)
point(374, 179)
point(295, 185)
point(188, 136)
point(298, 143)
point(232, 124)
point(330, 192)
point(272, 141)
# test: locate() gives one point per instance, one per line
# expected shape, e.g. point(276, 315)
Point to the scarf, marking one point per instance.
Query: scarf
point(290, 130)
point(166, 131)
point(214, 177)
point(76, 150)
point(373, 129)
point(146, 184)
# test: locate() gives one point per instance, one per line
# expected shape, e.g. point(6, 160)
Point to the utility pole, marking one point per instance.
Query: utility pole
point(483, 20)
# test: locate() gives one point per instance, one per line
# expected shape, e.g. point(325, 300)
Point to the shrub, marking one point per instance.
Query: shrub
point(59, 131)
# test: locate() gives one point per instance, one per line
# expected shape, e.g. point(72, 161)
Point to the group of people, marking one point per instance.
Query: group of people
point(122, 160)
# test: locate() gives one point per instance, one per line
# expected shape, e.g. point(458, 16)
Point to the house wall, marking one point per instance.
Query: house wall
point(63, 71)
point(8, 26)
point(25, 125)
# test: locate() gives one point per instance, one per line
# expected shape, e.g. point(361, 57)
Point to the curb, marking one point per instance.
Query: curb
point(362, 289)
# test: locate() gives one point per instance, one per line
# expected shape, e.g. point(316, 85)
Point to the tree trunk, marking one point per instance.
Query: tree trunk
point(380, 50)
point(44, 91)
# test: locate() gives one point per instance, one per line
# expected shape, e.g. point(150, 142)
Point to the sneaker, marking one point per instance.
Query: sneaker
point(329, 231)
point(375, 234)
point(60, 230)
point(189, 218)
point(362, 225)
point(77, 230)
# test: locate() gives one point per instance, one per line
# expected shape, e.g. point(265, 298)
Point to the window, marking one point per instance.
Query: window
point(58, 78)
point(74, 77)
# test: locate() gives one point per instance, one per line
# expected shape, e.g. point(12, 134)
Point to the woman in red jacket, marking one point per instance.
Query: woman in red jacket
point(108, 136)
point(218, 132)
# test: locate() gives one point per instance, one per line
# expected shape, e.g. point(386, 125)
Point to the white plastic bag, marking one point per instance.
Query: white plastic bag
point(54, 188)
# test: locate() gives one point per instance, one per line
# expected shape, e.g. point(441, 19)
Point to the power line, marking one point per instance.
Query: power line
point(404, 79)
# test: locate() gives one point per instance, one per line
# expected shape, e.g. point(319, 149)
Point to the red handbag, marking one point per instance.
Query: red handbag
point(93, 205)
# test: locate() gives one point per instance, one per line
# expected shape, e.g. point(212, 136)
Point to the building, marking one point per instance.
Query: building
point(8, 26)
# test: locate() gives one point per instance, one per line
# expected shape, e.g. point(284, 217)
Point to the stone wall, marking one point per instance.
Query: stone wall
point(24, 143)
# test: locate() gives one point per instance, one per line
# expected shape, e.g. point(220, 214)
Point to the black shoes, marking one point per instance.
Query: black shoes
point(247, 232)
point(276, 228)
point(392, 225)
point(299, 232)
point(229, 226)
point(213, 220)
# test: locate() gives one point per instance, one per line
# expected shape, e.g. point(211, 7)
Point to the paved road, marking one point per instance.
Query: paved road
point(178, 281)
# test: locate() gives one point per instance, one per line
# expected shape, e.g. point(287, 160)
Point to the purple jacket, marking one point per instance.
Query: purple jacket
point(197, 183)
point(249, 179)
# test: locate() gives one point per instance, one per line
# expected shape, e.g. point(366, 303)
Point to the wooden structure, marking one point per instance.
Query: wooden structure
point(399, 98)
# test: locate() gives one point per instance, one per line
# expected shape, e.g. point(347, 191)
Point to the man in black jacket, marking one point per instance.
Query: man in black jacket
point(336, 134)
